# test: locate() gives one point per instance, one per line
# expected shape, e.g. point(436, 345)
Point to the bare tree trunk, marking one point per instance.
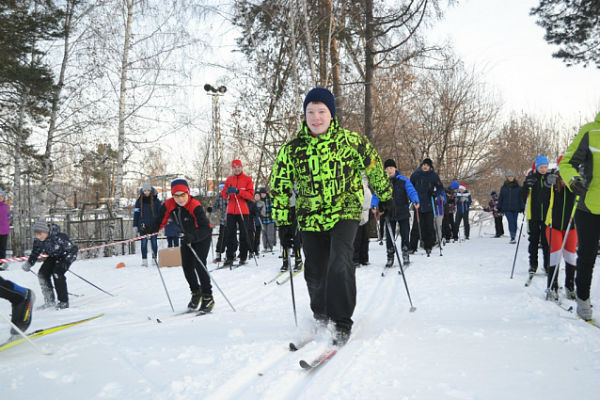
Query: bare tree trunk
point(308, 43)
point(369, 68)
point(323, 44)
point(47, 173)
point(292, 19)
point(335, 64)
point(18, 211)
point(122, 98)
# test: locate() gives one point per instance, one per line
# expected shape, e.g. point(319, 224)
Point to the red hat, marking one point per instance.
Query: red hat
point(236, 163)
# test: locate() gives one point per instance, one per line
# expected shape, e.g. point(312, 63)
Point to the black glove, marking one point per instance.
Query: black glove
point(186, 239)
point(388, 208)
point(232, 190)
point(530, 181)
point(209, 209)
point(550, 180)
point(145, 230)
point(578, 186)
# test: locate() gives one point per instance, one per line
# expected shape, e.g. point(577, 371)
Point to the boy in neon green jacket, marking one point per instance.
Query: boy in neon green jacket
point(580, 169)
point(326, 162)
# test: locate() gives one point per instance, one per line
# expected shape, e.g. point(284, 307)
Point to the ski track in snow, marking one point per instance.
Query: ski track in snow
point(476, 334)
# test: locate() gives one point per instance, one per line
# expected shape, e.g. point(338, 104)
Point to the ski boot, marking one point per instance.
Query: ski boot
point(61, 305)
point(228, 264)
point(298, 261)
point(584, 309)
point(341, 336)
point(243, 261)
point(207, 304)
point(570, 293)
point(390, 262)
point(144, 262)
point(21, 312)
point(428, 251)
point(552, 295)
point(217, 258)
point(194, 301)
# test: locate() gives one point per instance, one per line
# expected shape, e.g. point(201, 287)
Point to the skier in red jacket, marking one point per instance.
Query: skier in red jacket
point(239, 189)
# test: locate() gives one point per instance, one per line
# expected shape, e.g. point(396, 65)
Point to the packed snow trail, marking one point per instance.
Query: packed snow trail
point(476, 334)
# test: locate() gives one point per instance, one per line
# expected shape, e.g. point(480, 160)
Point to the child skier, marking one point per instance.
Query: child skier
point(493, 208)
point(61, 254)
point(188, 213)
point(562, 201)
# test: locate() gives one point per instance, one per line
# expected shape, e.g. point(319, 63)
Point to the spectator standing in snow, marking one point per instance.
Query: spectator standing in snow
point(172, 232)
point(144, 213)
point(560, 207)
point(537, 207)
point(326, 161)
point(510, 203)
point(268, 233)
point(463, 203)
point(449, 211)
point(585, 183)
point(427, 184)
point(4, 228)
point(220, 204)
point(239, 189)
point(257, 210)
point(403, 193)
point(189, 215)
point(61, 254)
point(496, 213)
point(21, 300)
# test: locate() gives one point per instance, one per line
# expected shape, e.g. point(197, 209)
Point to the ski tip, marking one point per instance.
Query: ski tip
point(158, 320)
point(293, 347)
point(413, 309)
point(304, 364)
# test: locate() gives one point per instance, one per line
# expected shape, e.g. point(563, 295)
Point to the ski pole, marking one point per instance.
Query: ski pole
point(245, 228)
point(520, 232)
point(287, 257)
point(435, 225)
point(378, 224)
point(16, 328)
point(90, 283)
point(554, 275)
point(163, 283)
point(209, 275)
point(389, 229)
point(419, 226)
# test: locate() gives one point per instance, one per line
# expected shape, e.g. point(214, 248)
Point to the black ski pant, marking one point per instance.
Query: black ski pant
point(537, 232)
point(361, 245)
point(464, 218)
point(11, 291)
point(426, 230)
point(193, 271)
point(448, 226)
point(235, 222)
point(54, 270)
point(256, 239)
point(330, 273)
point(221, 239)
point(404, 227)
point(588, 234)
point(173, 241)
point(3, 243)
point(499, 226)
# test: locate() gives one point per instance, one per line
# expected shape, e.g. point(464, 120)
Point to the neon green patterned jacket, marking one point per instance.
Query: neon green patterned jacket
point(585, 151)
point(327, 170)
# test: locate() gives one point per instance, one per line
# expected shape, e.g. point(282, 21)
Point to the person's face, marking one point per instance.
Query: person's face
point(511, 178)
point(147, 193)
point(425, 167)
point(181, 198)
point(257, 196)
point(318, 118)
point(41, 236)
point(391, 171)
point(542, 169)
point(237, 169)
point(263, 195)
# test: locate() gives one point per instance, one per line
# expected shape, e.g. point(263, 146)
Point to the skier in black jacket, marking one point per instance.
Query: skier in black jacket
point(427, 184)
point(61, 254)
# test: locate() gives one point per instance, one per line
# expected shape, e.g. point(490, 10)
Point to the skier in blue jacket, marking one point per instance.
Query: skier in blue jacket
point(403, 194)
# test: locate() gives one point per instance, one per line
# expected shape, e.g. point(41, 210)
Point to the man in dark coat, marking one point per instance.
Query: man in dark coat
point(145, 211)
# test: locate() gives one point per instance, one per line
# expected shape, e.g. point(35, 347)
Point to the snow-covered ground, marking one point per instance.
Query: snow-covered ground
point(476, 334)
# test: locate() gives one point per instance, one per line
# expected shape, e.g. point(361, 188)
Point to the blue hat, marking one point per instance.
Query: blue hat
point(321, 95)
point(541, 160)
point(454, 185)
point(2, 193)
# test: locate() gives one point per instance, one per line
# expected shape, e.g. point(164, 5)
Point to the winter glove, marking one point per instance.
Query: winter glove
point(186, 239)
point(550, 180)
point(27, 266)
point(232, 190)
point(530, 181)
point(388, 208)
point(578, 186)
point(145, 230)
point(209, 209)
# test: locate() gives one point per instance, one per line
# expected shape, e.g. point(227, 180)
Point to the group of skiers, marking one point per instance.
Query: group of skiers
point(317, 186)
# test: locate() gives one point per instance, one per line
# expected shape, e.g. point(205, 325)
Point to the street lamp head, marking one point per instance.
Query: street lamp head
point(222, 89)
point(209, 88)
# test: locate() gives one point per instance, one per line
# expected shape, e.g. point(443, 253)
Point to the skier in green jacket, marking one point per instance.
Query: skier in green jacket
point(580, 169)
point(326, 162)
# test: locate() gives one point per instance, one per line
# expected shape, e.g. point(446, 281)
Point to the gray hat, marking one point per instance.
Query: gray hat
point(40, 226)
point(509, 173)
point(146, 186)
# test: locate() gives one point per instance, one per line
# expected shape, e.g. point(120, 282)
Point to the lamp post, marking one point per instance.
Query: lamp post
point(216, 127)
